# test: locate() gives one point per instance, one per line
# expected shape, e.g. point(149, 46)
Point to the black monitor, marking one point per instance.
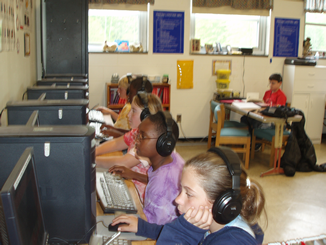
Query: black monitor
point(62, 82)
point(64, 159)
point(21, 217)
point(57, 92)
point(51, 112)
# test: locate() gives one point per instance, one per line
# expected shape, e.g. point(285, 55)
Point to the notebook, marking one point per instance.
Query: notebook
point(246, 105)
point(253, 97)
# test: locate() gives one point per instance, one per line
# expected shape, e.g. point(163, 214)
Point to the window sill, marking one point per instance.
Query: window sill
point(115, 52)
point(225, 54)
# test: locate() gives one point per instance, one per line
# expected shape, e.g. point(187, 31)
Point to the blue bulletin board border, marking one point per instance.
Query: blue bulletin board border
point(286, 37)
point(168, 35)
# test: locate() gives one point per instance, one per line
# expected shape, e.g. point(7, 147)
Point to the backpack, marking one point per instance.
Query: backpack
point(279, 111)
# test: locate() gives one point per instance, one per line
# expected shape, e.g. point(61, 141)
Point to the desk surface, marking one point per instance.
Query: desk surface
point(255, 114)
point(134, 194)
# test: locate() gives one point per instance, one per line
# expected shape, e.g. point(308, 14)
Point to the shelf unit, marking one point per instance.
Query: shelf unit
point(160, 89)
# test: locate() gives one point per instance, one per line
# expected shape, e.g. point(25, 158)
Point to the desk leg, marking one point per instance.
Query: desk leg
point(278, 151)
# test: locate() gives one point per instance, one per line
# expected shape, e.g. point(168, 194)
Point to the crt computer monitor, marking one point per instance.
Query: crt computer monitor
point(57, 92)
point(64, 160)
point(51, 112)
point(21, 217)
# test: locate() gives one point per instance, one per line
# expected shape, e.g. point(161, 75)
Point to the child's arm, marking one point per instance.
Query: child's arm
point(127, 160)
point(180, 231)
point(138, 226)
point(106, 110)
point(202, 218)
point(129, 174)
point(117, 144)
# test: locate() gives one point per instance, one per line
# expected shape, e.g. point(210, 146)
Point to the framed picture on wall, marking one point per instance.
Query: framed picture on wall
point(27, 50)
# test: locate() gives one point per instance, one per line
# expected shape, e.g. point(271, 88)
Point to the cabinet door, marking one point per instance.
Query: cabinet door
point(315, 116)
point(301, 101)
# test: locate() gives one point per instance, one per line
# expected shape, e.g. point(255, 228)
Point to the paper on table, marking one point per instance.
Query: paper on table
point(246, 105)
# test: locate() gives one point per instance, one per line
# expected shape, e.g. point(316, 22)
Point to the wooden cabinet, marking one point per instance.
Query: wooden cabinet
point(113, 101)
point(305, 88)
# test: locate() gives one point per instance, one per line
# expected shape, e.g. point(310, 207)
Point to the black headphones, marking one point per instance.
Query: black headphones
point(228, 205)
point(166, 142)
point(142, 95)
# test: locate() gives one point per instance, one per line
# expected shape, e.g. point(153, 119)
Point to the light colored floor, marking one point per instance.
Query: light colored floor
point(296, 206)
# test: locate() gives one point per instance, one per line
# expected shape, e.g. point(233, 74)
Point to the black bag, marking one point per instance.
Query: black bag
point(280, 112)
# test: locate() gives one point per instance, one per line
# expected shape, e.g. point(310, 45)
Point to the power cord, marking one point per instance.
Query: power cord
point(1, 114)
point(24, 94)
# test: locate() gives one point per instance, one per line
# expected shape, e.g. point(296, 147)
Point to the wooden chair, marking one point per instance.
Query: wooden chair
point(237, 138)
point(267, 136)
point(225, 123)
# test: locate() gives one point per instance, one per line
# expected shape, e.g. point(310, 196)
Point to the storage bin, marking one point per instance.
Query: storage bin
point(223, 74)
point(224, 93)
point(222, 83)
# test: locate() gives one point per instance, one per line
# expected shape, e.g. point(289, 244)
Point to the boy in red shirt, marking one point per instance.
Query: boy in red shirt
point(275, 96)
point(272, 97)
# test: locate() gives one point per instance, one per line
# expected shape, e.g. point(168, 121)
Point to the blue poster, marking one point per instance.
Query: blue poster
point(168, 32)
point(286, 37)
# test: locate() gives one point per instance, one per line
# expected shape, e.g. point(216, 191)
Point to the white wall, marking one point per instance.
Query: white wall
point(16, 71)
point(249, 73)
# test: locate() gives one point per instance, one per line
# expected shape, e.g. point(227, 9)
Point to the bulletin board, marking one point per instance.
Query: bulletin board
point(168, 35)
point(286, 37)
point(220, 65)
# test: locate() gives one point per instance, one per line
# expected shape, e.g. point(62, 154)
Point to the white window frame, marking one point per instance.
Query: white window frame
point(143, 32)
point(313, 24)
point(264, 24)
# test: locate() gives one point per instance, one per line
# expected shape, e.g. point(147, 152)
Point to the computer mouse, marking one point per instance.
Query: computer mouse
point(115, 227)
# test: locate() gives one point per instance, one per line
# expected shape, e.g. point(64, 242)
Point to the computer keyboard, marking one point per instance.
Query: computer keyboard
point(96, 116)
point(113, 193)
point(116, 241)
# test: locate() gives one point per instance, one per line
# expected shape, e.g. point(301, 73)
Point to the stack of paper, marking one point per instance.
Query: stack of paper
point(246, 105)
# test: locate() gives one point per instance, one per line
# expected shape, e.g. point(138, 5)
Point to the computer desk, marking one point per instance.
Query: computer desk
point(134, 195)
point(279, 125)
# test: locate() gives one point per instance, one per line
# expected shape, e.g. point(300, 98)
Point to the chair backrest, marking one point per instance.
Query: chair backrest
point(215, 108)
point(218, 110)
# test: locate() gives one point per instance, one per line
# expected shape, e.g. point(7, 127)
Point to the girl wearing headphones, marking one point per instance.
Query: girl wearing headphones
point(152, 106)
point(233, 205)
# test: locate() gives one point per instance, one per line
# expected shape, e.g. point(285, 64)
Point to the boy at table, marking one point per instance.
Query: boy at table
point(273, 97)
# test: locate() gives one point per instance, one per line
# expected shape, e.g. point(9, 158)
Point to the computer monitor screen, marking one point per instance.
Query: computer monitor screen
point(50, 112)
point(58, 92)
point(21, 218)
point(64, 160)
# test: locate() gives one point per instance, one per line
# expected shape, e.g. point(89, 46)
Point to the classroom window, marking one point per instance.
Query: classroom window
point(315, 28)
point(245, 31)
point(113, 25)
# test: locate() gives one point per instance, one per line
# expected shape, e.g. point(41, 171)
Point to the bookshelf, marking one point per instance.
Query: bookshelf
point(162, 90)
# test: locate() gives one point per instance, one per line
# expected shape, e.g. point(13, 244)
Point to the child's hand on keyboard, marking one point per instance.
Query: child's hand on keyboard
point(130, 220)
point(202, 218)
point(122, 171)
point(104, 110)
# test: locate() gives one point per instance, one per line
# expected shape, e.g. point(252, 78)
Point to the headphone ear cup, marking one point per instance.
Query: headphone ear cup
point(227, 207)
point(165, 144)
point(144, 113)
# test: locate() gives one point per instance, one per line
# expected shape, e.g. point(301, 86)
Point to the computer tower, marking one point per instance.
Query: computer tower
point(64, 37)
point(50, 112)
point(58, 92)
point(62, 82)
point(64, 160)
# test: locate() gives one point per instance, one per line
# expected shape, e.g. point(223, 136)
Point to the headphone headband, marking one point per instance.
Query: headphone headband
point(232, 162)
point(142, 95)
point(228, 204)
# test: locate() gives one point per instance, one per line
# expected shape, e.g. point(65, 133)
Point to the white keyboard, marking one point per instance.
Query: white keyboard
point(96, 116)
point(113, 193)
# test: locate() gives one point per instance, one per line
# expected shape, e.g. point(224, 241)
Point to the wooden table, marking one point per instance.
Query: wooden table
point(135, 197)
point(279, 125)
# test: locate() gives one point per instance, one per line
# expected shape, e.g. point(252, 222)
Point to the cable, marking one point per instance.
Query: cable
point(24, 94)
point(1, 114)
point(183, 132)
point(243, 73)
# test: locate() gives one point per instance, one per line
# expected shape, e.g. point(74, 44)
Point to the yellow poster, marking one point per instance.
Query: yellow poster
point(185, 74)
